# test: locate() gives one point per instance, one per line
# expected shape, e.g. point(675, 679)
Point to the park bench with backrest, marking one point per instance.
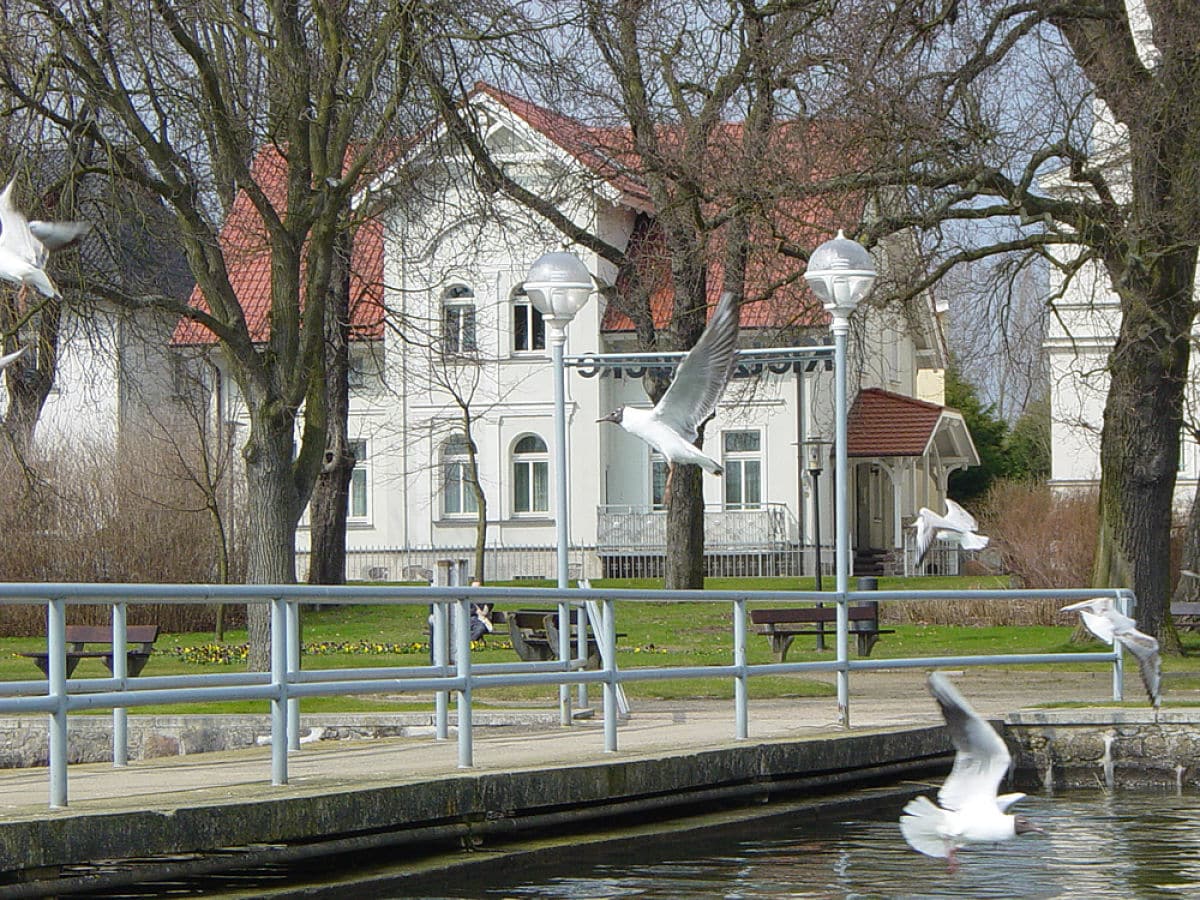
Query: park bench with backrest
point(1186, 615)
point(139, 641)
point(783, 625)
point(534, 634)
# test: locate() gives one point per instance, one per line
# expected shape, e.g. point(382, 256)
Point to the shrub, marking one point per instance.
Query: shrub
point(1045, 539)
point(85, 514)
point(1042, 538)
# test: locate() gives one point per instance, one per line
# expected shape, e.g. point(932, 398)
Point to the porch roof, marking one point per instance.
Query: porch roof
point(883, 424)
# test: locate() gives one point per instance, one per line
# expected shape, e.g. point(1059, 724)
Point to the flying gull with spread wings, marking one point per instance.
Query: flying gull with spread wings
point(957, 526)
point(968, 810)
point(1102, 618)
point(673, 425)
point(25, 246)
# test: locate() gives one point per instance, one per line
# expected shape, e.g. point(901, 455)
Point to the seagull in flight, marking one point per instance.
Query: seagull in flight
point(968, 810)
point(1102, 618)
point(25, 247)
point(672, 426)
point(957, 526)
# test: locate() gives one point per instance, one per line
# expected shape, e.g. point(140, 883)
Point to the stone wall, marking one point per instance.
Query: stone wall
point(1071, 748)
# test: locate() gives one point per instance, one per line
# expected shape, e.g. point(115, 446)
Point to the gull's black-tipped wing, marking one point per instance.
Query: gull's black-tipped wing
point(702, 375)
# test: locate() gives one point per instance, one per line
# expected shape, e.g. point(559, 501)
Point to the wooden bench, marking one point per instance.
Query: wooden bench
point(139, 640)
point(783, 625)
point(534, 634)
point(1186, 615)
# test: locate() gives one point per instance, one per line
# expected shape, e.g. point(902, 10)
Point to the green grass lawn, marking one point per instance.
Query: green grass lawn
point(655, 634)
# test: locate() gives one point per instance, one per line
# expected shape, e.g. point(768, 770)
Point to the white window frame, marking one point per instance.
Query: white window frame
point(534, 461)
point(460, 320)
point(451, 456)
point(740, 461)
point(524, 310)
point(360, 483)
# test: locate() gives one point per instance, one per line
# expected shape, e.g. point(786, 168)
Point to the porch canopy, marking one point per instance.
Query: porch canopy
point(909, 438)
point(883, 424)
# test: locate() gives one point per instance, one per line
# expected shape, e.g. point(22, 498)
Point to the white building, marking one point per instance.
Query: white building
point(1084, 329)
point(466, 340)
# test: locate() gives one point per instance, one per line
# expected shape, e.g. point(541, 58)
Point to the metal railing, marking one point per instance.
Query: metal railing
point(285, 685)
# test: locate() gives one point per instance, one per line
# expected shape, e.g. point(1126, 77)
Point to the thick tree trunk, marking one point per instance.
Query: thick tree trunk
point(271, 533)
point(1139, 455)
point(684, 568)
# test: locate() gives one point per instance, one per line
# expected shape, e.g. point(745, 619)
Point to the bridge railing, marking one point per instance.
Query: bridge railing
point(286, 684)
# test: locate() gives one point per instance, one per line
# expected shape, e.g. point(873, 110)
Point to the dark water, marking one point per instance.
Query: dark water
point(1099, 845)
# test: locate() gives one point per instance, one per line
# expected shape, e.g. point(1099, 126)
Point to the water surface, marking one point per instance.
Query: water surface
point(1099, 845)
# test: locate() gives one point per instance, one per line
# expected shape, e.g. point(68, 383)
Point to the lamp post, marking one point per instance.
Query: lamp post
point(815, 450)
point(558, 285)
point(841, 272)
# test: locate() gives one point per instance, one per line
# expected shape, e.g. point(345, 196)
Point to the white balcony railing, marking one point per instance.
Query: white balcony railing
point(625, 529)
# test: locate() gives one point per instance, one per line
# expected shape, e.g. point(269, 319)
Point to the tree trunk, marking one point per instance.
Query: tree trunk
point(477, 491)
point(271, 532)
point(684, 568)
point(331, 495)
point(1139, 451)
point(31, 377)
point(327, 559)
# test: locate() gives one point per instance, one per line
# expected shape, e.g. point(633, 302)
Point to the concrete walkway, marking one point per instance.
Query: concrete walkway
point(879, 700)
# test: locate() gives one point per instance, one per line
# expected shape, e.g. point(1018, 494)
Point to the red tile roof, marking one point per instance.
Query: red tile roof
point(885, 424)
point(608, 153)
point(248, 260)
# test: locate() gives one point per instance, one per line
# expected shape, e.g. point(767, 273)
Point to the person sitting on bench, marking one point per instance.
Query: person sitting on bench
point(481, 617)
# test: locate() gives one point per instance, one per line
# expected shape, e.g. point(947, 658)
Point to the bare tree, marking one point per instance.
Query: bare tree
point(683, 106)
point(1057, 131)
point(320, 84)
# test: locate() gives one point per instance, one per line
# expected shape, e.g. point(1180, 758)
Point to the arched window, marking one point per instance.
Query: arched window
point(529, 331)
point(458, 319)
point(531, 476)
point(458, 497)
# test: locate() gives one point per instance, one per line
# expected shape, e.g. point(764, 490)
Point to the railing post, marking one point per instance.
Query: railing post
point(1125, 605)
point(608, 628)
point(581, 653)
point(120, 671)
point(564, 656)
point(56, 686)
point(462, 653)
point(740, 694)
point(279, 737)
point(293, 665)
point(438, 638)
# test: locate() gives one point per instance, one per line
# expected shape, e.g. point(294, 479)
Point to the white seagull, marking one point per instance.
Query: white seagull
point(25, 246)
point(672, 426)
point(1106, 622)
point(968, 810)
point(958, 526)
